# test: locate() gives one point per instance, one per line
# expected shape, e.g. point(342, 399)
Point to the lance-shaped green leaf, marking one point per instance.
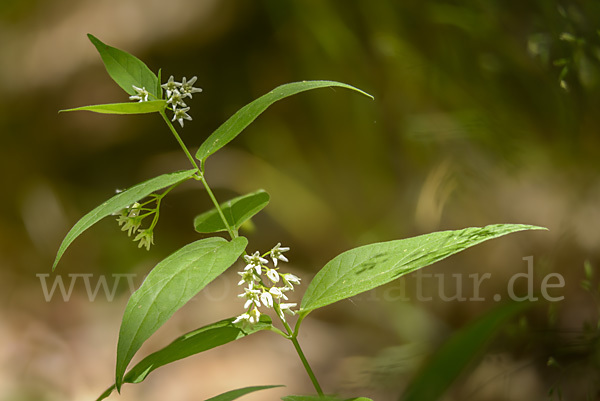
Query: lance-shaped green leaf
point(125, 69)
point(457, 353)
point(119, 202)
point(169, 286)
point(235, 394)
point(244, 116)
point(367, 267)
point(124, 108)
point(192, 343)
point(236, 211)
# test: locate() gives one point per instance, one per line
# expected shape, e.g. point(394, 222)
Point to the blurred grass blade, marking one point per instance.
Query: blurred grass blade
point(119, 202)
point(169, 286)
point(192, 343)
point(235, 394)
point(124, 108)
point(456, 354)
point(243, 117)
point(324, 398)
point(367, 267)
point(236, 211)
point(125, 69)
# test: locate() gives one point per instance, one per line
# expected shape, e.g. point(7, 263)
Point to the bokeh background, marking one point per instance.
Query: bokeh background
point(484, 112)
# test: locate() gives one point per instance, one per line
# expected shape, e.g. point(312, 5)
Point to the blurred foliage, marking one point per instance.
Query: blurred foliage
point(484, 112)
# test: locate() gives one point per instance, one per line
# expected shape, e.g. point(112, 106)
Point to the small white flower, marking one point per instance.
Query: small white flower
point(180, 115)
point(255, 262)
point(141, 96)
point(187, 87)
point(273, 275)
point(247, 277)
point(278, 292)
point(286, 308)
point(289, 280)
point(252, 297)
point(254, 316)
point(267, 299)
point(277, 253)
point(243, 316)
point(176, 99)
point(170, 86)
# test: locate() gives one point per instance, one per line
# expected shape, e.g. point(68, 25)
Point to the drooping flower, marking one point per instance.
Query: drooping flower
point(287, 309)
point(146, 238)
point(254, 315)
point(187, 87)
point(278, 292)
point(130, 219)
point(277, 253)
point(267, 299)
point(289, 280)
point(273, 275)
point(141, 94)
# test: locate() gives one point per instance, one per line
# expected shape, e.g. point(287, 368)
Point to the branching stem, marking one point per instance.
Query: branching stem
point(293, 336)
point(230, 230)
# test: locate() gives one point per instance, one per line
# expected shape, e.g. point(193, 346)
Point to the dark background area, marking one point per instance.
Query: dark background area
point(485, 112)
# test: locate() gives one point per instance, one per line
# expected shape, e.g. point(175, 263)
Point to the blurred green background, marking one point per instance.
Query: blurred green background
point(485, 112)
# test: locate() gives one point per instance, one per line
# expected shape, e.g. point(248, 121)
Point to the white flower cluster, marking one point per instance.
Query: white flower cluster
point(257, 293)
point(176, 93)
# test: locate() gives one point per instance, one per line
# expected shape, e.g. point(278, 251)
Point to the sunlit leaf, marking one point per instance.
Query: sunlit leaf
point(169, 286)
point(367, 267)
point(119, 202)
point(456, 354)
point(236, 211)
point(244, 116)
point(125, 69)
point(124, 108)
point(189, 344)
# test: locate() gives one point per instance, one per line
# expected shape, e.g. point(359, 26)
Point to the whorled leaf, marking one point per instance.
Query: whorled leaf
point(457, 353)
point(125, 69)
point(367, 267)
point(169, 286)
point(244, 116)
point(192, 343)
point(119, 202)
point(236, 211)
point(124, 108)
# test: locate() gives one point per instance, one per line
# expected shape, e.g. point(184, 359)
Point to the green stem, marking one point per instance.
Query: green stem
point(231, 232)
point(176, 135)
point(293, 336)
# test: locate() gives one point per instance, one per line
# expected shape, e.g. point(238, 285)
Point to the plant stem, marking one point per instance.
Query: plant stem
point(312, 376)
point(176, 135)
point(293, 336)
point(231, 232)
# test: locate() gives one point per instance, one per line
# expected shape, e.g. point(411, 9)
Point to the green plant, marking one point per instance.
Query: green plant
point(176, 279)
